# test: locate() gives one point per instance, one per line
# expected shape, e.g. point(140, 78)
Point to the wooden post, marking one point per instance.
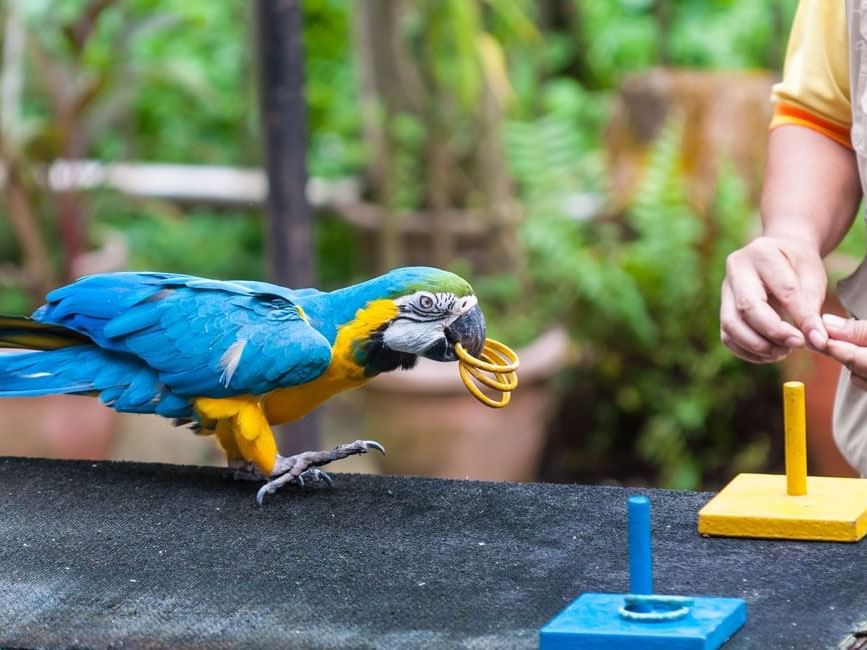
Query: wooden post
point(794, 423)
point(289, 234)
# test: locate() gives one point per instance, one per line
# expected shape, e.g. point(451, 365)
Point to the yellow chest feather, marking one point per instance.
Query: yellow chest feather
point(287, 404)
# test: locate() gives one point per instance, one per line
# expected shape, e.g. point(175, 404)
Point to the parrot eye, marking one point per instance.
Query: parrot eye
point(426, 302)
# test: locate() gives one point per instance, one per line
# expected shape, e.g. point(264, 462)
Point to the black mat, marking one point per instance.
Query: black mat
point(115, 554)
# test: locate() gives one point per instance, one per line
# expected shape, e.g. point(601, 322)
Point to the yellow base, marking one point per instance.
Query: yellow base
point(756, 505)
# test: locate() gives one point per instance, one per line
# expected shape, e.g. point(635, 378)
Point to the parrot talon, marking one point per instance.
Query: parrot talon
point(373, 444)
point(245, 471)
point(295, 469)
point(315, 474)
point(370, 444)
point(265, 489)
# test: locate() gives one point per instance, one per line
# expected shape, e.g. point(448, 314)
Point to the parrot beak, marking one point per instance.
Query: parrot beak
point(468, 330)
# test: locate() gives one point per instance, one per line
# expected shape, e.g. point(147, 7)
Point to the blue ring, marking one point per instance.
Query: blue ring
point(662, 608)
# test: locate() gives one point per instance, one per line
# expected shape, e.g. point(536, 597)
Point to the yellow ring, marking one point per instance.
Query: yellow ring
point(508, 381)
point(478, 394)
point(503, 349)
point(496, 359)
point(490, 345)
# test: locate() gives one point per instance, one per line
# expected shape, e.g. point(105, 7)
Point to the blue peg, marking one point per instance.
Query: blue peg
point(641, 618)
point(640, 559)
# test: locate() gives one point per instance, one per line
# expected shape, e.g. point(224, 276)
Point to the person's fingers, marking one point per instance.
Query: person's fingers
point(852, 356)
point(749, 304)
point(752, 357)
point(736, 333)
point(800, 295)
point(741, 339)
point(852, 330)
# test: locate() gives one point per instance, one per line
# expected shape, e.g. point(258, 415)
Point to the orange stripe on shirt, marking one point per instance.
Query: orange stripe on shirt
point(785, 113)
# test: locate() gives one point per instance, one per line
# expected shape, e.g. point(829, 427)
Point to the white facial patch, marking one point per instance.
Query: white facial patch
point(423, 317)
point(464, 305)
point(412, 337)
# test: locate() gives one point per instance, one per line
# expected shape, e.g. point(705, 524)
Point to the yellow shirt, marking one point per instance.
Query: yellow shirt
point(814, 91)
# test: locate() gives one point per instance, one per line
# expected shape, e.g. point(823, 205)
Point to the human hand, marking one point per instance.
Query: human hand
point(848, 345)
point(767, 280)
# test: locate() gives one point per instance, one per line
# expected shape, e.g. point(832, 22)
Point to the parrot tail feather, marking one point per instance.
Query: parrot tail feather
point(29, 374)
point(21, 332)
point(120, 381)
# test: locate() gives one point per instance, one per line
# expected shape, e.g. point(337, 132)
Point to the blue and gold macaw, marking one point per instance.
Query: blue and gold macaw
point(234, 358)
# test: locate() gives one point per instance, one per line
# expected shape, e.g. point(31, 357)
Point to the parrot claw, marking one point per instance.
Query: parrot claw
point(319, 475)
point(244, 471)
point(314, 475)
point(373, 444)
point(271, 487)
point(295, 469)
point(265, 489)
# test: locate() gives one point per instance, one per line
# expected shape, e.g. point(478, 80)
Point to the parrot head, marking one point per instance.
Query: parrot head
point(431, 311)
point(431, 323)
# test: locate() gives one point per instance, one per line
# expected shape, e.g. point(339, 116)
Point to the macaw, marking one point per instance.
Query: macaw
point(234, 358)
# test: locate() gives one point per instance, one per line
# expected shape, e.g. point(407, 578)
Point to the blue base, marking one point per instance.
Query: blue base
point(592, 621)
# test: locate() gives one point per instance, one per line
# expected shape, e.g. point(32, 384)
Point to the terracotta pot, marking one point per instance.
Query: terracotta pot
point(431, 426)
point(56, 426)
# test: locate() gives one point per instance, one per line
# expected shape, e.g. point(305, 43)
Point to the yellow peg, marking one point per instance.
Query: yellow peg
point(795, 425)
point(777, 506)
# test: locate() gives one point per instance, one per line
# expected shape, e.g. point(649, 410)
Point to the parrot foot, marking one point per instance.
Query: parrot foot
point(303, 467)
point(243, 470)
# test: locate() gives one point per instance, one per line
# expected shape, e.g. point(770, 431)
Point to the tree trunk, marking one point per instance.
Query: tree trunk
point(439, 164)
point(290, 229)
point(281, 92)
point(506, 253)
point(390, 84)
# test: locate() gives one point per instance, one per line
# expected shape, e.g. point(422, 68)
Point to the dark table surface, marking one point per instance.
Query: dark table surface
point(98, 554)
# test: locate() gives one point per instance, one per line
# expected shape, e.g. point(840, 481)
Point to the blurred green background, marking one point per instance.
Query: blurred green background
point(586, 164)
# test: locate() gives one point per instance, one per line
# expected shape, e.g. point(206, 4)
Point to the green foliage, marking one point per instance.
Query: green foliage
point(179, 82)
point(628, 35)
point(728, 34)
point(556, 162)
point(172, 81)
point(641, 296)
point(460, 43)
point(638, 291)
point(336, 146)
point(427, 111)
point(559, 151)
point(224, 244)
point(198, 242)
point(14, 300)
point(625, 37)
point(175, 74)
point(659, 397)
point(339, 259)
point(407, 134)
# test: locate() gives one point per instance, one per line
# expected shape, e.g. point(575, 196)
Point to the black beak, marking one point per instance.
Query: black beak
point(469, 330)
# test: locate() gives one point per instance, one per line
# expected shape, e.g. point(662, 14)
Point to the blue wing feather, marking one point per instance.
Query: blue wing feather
point(180, 327)
point(136, 319)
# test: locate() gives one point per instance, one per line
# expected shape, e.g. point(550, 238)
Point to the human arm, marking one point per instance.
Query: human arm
point(809, 199)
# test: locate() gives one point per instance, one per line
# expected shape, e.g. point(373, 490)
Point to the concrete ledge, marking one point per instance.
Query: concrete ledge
point(119, 554)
